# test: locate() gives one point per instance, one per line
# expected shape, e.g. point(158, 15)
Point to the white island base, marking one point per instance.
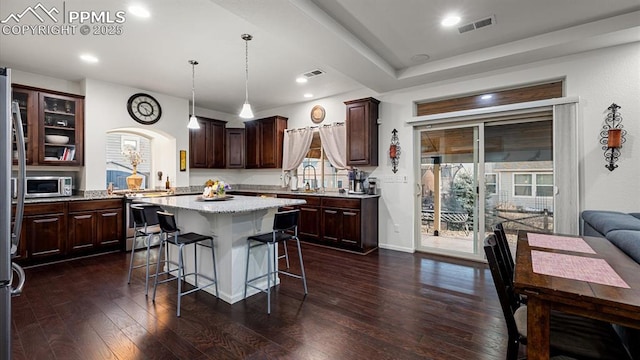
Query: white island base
point(230, 222)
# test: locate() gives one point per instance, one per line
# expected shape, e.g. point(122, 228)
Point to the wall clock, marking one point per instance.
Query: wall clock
point(317, 114)
point(144, 108)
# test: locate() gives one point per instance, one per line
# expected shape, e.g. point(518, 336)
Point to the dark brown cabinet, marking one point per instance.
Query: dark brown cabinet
point(362, 132)
point(95, 224)
point(53, 124)
point(61, 130)
point(207, 145)
point(309, 220)
point(45, 230)
point(264, 142)
point(235, 148)
point(28, 103)
point(341, 221)
point(59, 230)
point(345, 223)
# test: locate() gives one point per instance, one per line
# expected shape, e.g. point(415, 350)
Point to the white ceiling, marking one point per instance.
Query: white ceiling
point(358, 43)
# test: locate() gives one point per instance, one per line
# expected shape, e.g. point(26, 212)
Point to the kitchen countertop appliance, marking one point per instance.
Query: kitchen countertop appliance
point(11, 126)
point(356, 181)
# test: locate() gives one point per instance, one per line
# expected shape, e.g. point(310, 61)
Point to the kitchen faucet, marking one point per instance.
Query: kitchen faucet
point(304, 176)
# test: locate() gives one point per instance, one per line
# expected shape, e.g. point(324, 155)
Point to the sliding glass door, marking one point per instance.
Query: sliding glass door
point(476, 175)
point(449, 198)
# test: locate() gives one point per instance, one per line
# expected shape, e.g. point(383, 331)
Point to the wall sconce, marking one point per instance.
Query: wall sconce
point(394, 150)
point(612, 136)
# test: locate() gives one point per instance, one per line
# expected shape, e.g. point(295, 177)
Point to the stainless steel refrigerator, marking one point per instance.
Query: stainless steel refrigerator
point(11, 274)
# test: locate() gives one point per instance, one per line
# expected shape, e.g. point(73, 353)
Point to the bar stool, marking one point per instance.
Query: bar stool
point(174, 236)
point(283, 223)
point(145, 228)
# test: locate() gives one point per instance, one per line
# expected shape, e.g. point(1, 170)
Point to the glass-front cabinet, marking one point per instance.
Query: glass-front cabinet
point(61, 128)
point(53, 124)
point(28, 103)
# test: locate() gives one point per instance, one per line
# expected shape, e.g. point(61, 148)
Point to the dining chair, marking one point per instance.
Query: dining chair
point(570, 335)
point(173, 236)
point(145, 228)
point(285, 228)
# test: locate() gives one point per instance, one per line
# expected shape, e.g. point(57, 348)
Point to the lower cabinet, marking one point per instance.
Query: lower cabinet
point(95, 224)
point(58, 230)
point(44, 230)
point(346, 223)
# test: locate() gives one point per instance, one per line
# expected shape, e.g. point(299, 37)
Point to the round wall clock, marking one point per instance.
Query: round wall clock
point(317, 114)
point(144, 108)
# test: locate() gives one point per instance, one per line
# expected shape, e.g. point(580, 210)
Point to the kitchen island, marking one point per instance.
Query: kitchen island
point(230, 222)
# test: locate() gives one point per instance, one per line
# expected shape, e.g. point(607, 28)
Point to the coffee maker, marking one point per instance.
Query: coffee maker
point(356, 181)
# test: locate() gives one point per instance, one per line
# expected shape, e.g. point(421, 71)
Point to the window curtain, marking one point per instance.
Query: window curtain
point(334, 143)
point(294, 148)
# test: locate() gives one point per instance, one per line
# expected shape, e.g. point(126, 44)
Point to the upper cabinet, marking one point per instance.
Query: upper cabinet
point(235, 148)
point(54, 125)
point(28, 102)
point(264, 139)
point(207, 144)
point(362, 132)
point(61, 130)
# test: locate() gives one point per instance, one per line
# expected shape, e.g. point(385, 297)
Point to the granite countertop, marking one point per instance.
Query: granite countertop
point(102, 195)
point(233, 204)
point(304, 193)
point(69, 198)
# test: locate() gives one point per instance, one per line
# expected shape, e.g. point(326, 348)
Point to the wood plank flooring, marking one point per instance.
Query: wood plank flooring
point(387, 305)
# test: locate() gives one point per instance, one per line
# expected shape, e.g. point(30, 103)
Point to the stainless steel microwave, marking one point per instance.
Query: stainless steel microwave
point(46, 186)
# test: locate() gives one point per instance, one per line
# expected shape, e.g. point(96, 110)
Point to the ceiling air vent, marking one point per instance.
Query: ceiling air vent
point(313, 73)
point(491, 20)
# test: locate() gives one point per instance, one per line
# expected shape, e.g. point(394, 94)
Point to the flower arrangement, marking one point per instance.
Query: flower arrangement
point(213, 188)
point(133, 156)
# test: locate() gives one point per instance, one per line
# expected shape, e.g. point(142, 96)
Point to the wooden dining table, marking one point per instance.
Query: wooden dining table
point(587, 297)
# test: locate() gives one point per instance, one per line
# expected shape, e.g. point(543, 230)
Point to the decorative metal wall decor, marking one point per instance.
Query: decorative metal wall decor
point(394, 150)
point(612, 136)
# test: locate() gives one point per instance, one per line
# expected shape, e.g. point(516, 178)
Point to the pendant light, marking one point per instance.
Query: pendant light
point(246, 112)
point(193, 120)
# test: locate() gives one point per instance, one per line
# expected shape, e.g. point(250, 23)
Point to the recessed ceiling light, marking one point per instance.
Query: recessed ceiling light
point(450, 20)
point(486, 97)
point(139, 11)
point(89, 58)
point(301, 80)
point(307, 95)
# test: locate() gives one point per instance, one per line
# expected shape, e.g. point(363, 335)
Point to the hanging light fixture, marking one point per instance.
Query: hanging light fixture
point(246, 112)
point(193, 120)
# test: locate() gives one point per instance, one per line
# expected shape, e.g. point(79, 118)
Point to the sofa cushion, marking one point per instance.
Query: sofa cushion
point(627, 241)
point(606, 221)
point(635, 215)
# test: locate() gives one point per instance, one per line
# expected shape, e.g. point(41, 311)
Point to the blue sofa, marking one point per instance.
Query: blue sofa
point(623, 230)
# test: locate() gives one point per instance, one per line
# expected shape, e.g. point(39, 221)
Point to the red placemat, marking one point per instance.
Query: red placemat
point(559, 242)
point(576, 268)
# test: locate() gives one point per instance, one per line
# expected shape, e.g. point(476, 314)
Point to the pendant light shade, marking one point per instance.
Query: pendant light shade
point(193, 120)
point(246, 112)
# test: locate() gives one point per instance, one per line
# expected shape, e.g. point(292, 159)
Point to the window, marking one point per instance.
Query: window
point(491, 183)
point(544, 185)
point(118, 167)
point(316, 169)
point(533, 184)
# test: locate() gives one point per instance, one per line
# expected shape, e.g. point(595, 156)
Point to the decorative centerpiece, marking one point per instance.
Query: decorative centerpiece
point(215, 189)
point(134, 181)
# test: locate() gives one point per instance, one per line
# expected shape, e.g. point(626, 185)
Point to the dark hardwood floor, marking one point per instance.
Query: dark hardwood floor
point(387, 305)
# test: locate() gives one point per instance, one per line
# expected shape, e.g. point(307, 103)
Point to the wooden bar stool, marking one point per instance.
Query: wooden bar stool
point(174, 236)
point(283, 224)
point(145, 228)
